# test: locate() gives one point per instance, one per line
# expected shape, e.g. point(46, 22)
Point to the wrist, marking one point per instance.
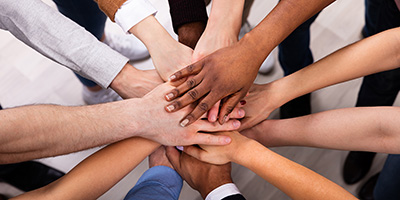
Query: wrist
point(242, 151)
point(274, 95)
point(150, 30)
point(127, 76)
point(214, 184)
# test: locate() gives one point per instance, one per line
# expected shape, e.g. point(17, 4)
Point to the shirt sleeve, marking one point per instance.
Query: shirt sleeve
point(223, 191)
point(58, 38)
point(132, 12)
point(187, 11)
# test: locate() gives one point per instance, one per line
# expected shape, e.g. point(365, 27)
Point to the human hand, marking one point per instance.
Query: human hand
point(163, 127)
point(134, 83)
point(225, 74)
point(259, 104)
point(159, 158)
point(212, 40)
point(201, 176)
point(170, 57)
point(167, 54)
point(220, 154)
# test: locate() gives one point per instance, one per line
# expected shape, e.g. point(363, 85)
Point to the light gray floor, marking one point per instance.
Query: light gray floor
point(26, 77)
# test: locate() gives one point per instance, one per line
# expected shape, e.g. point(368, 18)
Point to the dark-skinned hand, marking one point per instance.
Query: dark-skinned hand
point(201, 176)
point(226, 74)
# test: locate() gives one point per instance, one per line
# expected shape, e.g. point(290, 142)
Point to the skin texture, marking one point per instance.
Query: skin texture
point(134, 83)
point(178, 135)
point(60, 130)
point(375, 129)
point(378, 53)
point(201, 176)
point(238, 64)
point(293, 179)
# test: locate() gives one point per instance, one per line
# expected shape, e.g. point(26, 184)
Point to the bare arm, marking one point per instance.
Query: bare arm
point(168, 54)
point(92, 178)
point(296, 181)
point(38, 131)
point(375, 129)
point(378, 53)
point(31, 132)
point(222, 29)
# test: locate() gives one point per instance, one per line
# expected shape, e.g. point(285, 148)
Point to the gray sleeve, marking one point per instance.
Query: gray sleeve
point(58, 38)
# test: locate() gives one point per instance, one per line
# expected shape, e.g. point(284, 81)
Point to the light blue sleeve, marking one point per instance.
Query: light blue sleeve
point(157, 183)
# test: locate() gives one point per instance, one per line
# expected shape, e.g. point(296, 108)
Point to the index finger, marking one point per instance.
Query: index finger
point(191, 69)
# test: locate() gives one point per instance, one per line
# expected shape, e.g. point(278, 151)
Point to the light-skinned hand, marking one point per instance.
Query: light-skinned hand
point(220, 154)
point(163, 127)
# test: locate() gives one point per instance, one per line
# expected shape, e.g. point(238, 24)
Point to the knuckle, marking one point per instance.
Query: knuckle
point(193, 94)
point(178, 74)
point(190, 68)
point(203, 106)
point(177, 104)
point(176, 92)
point(191, 83)
point(229, 109)
point(190, 117)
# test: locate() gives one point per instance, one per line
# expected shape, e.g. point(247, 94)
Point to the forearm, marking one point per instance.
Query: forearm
point(226, 15)
point(296, 181)
point(279, 23)
point(357, 129)
point(134, 83)
point(150, 30)
point(31, 132)
point(60, 39)
point(168, 55)
point(92, 178)
point(222, 29)
point(374, 54)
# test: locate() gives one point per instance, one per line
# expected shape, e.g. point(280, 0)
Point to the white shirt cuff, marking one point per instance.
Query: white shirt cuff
point(223, 191)
point(132, 12)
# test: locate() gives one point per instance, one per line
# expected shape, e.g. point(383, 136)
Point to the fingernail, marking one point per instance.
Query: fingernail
point(243, 102)
point(241, 113)
point(179, 148)
point(227, 140)
point(169, 96)
point(236, 124)
point(170, 108)
point(213, 118)
point(225, 119)
point(184, 122)
point(172, 77)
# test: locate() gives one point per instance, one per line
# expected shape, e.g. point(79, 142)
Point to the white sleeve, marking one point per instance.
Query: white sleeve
point(223, 191)
point(132, 12)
